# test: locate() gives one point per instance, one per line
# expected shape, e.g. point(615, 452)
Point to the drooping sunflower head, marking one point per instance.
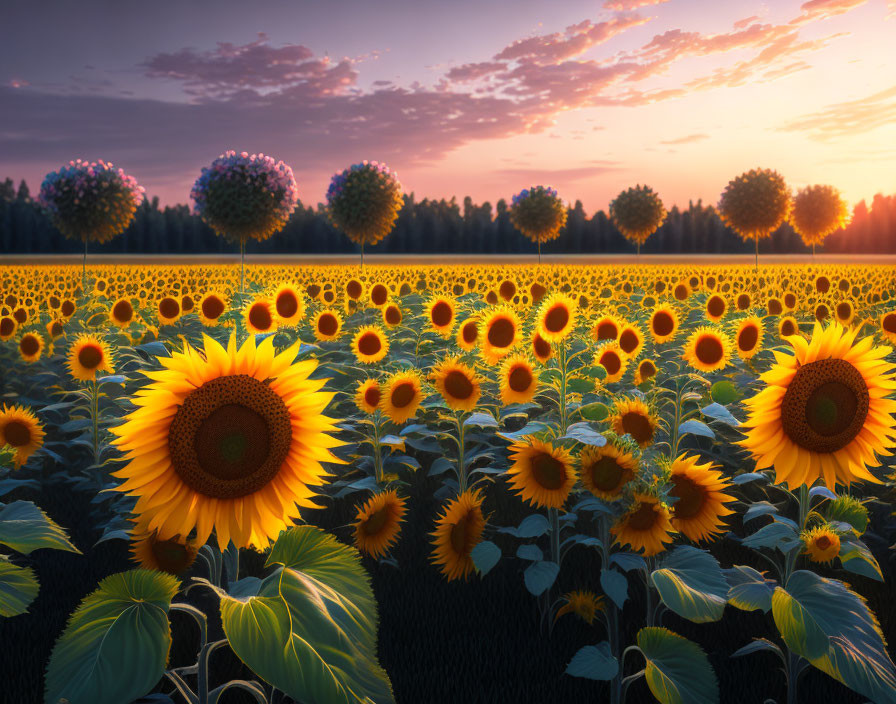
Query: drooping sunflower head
point(716, 306)
point(611, 357)
point(821, 544)
point(327, 325)
point(700, 498)
point(30, 347)
point(368, 395)
point(556, 317)
point(646, 525)
point(288, 304)
point(174, 555)
point(663, 323)
point(707, 350)
point(212, 307)
point(468, 334)
point(458, 531)
point(501, 333)
point(402, 396)
point(440, 314)
point(633, 417)
point(541, 474)
point(584, 604)
point(89, 355)
point(604, 471)
point(168, 310)
point(370, 344)
point(226, 440)
point(22, 431)
point(457, 383)
point(518, 380)
point(748, 338)
point(824, 412)
point(631, 340)
point(646, 370)
point(378, 523)
point(259, 317)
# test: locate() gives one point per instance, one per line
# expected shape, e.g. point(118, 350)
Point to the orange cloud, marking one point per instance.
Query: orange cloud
point(847, 118)
point(686, 140)
point(624, 5)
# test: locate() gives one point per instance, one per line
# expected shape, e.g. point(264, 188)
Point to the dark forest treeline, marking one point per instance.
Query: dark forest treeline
point(437, 226)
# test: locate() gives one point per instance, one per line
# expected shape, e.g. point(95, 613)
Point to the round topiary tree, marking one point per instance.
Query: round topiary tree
point(91, 202)
point(539, 214)
point(817, 212)
point(364, 201)
point(243, 197)
point(755, 204)
point(637, 213)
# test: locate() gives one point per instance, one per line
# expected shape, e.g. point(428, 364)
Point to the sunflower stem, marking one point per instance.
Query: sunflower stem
point(94, 417)
point(554, 516)
point(461, 470)
point(377, 451)
point(564, 416)
point(231, 559)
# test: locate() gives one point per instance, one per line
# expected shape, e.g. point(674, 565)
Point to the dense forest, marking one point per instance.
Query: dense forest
point(437, 226)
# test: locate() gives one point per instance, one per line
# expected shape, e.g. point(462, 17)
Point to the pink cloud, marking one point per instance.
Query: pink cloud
point(823, 9)
point(740, 24)
point(474, 71)
point(689, 139)
point(624, 5)
point(847, 118)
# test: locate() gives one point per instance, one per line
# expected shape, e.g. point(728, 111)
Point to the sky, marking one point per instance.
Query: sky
point(468, 97)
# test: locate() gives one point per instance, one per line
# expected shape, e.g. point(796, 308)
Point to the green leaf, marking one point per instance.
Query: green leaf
point(18, 588)
point(594, 662)
point(749, 589)
point(485, 556)
point(615, 586)
point(24, 528)
point(831, 626)
point(115, 646)
point(677, 670)
point(692, 584)
point(857, 558)
point(579, 385)
point(310, 628)
point(594, 411)
point(696, 427)
point(846, 509)
point(539, 576)
point(774, 535)
point(723, 392)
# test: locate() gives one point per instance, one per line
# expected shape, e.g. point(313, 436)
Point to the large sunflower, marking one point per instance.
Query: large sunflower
point(370, 344)
point(88, 356)
point(541, 474)
point(259, 316)
point(663, 324)
point(457, 383)
point(457, 532)
point(700, 505)
point(288, 304)
point(22, 431)
point(556, 317)
point(501, 333)
point(229, 441)
point(606, 327)
point(645, 526)
point(327, 325)
point(604, 471)
point(633, 417)
point(748, 338)
point(212, 307)
point(440, 314)
point(402, 396)
point(378, 523)
point(30, 347)
point(707, 350)
point(518, 381)
point(824, 411)
point(121, 314)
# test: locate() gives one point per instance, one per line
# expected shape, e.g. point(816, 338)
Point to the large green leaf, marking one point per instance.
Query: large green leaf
point(749, 589)
point(677, 670)
point(310, 627)
point(115, 646)
point(832, 627)
point(595, 662)
point(24, 527)
point(692, 584)
point(18, 588)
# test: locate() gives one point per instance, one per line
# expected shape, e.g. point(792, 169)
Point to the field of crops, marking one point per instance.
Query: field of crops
point(653, 483)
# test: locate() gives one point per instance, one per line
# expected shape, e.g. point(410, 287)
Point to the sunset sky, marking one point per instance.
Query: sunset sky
point(467, 97)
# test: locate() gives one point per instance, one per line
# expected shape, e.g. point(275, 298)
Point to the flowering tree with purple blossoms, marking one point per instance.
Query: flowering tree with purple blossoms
point(90, 201)
point(364, 201)
point(539, 214)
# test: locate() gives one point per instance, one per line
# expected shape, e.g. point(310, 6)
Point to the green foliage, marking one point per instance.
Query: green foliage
point(24, 528)
point(677, 670)
point(595, 662)
point(115, 646)
point(309, 629)
point(367, 205)
point(240, 210)
point(540, 215)
point(18, 588)
point(756, 203)
point(846, 509)
point(637, 213)
point(692, 584)
point(724, 392)
point(749, 589)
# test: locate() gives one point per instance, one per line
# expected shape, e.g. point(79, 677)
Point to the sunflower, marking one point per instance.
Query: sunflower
point(402, 396)
point(467, 335)
point(607, 327)
point(168, 310)
point(458, 531)
point(645, 526)
point(87, 356)
point(392, 315)
point(748, 338)
point(707, 350)
point(288, 304)
point(700, 505)
point(518, 380)
point(663, 323)
point(631, 340)
point(821, 544)
point(888, 326)
point(211, 308)
point(556, 317)
point(30, 347)
point(55, 329)
point(716, 305)
point(788, 326)
point(681, 291)
point(175, 555)
point(370, 344)
point(121, 314)
point(541, 473)
point(633, 417)
point(354, 289)
point(501, 333)
point(646, 370)
point(440, 314)
point(541, 348)
point(743, 301)
point(457, 383)
point(259, 316)
point(327, 325)
point(378, 523)
point(611, 357)
point(368, 395)
point(824, 411)
point(22, 431)
point(230, 441)
point(605, 470)
point(844, 311)
point(8, 327)
point(379, 295)
point(584, 604)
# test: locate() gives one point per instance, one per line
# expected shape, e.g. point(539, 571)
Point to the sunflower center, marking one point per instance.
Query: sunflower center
point(606, 474)
point(288, 304)
point(542, 347)
point(21, 315)
point(212, 307)
point(369, 344)
point(56, 329)
point(186, 303)
point(889, 322)
point(644, 518)
point(548, 471)
point(663, 323)
point(29, 345)
point(90, 356)
point(393, 315)
point(823, 542)
point(375, 521)
point(743, 301)
point(647, 369)
point(607, 330)
point(168, 307)
point(7, 325)
point(519, 379)
point(537, 291)
point(372, 396)
point(788, 328)
point(230, 437)
point(378, 294)
point(470, 333)
point(507, 290)
point(709, 350)
point(16, 434)
point(748, 338)
point(402, 395)
point(171, 556)
point(690, 496)
point(441, 314)
point(825, 405)
point(610, 361)
point(556, 319)
point(123, 311)
point(353, 289)
point(458, 385)
point(628, 341)
point(715, 306)
point(67, 308)
point(327, 325)
point(790, 300)
point(637, 425)
point(260, 316)
point(844, 310)
point(459, 535)
point(775, 307)
point(501, 333)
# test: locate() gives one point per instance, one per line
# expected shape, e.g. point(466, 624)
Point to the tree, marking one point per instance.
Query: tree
point(539, 214)
point(637, 213)
point(817, 212)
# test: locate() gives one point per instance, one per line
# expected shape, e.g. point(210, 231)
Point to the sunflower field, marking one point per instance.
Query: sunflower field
point(343, 484)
